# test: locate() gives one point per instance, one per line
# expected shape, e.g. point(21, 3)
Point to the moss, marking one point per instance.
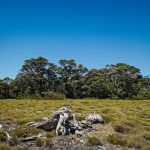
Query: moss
point(91, 141)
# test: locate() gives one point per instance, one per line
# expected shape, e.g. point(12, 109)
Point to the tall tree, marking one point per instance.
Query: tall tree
point(71, 77)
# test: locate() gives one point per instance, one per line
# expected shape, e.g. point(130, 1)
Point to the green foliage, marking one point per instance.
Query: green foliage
point(38, 78)
point(91, 141)
point(53, 96)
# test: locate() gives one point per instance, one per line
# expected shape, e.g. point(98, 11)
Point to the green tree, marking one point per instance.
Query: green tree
point(71, 78)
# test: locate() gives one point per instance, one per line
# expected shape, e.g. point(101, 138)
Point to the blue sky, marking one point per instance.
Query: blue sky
point(93, 32)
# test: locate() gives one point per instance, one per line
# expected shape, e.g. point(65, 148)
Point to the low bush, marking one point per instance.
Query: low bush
point(53, 96)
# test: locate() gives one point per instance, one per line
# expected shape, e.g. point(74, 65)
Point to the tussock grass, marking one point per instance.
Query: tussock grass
point(51, 134)
point(129, 118)
point(39, 142)
point(117, 140)
point(25, 131)
point(92, 141)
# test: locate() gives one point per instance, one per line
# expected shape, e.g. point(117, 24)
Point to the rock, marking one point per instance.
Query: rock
point(51, 123)
point(79, 133)
point(8, 136)
point(1, 126)
point(65, 123)
point(94, 118)
point(85, 124)
point(102, 147)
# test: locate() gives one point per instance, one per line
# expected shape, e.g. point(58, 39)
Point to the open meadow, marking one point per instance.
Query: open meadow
point(130, 119)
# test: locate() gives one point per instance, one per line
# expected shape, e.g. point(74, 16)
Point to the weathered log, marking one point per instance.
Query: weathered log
point(65, 123)
point(33, 138)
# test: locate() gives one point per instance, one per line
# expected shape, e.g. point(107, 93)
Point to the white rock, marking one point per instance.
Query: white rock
point(94, 118)
point(1, 126)
point(8, 136)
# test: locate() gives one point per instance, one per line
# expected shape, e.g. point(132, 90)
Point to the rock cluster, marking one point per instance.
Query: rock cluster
point(65, 123)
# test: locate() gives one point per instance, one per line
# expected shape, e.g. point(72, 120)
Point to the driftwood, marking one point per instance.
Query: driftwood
point(65, 123)
point(33, 138)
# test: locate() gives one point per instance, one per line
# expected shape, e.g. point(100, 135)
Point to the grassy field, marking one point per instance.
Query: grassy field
point(129, 119)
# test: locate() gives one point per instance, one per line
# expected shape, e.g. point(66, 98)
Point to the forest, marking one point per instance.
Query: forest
point(41, 79)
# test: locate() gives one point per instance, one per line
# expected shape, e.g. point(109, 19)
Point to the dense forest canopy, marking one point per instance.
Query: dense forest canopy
point(39, 78)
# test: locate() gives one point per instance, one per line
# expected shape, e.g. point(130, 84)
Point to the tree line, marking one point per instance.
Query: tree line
point(39, 78)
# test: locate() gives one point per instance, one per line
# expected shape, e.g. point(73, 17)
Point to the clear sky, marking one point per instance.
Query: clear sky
point(93, 32)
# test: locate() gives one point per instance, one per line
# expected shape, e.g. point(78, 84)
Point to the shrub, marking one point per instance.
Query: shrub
point(53, 96)
point(93, 141)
